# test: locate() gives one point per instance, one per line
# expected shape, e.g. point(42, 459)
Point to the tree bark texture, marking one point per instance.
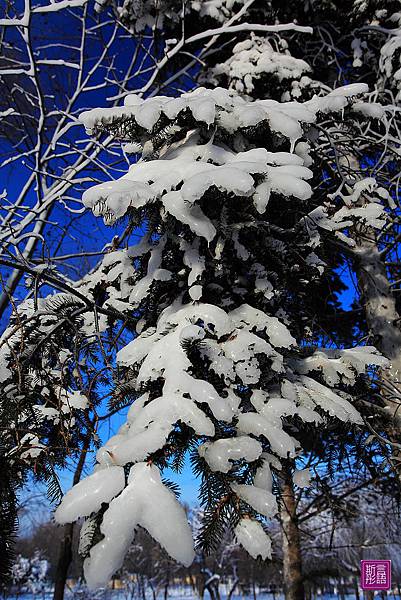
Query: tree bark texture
point(65, 552)
point(64, 561)
point(292, 558)
point(381, 314)
point(382, 318)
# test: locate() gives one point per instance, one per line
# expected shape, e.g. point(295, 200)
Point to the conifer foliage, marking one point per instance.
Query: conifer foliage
point(230, 255)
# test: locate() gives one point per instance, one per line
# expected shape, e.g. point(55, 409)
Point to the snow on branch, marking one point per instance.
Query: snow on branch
point(59, 5)
point(249, 27)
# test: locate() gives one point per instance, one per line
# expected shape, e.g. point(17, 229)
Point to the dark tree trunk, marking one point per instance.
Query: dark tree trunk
point(356, 588)
point(153, 590)
point(65, 552)
point(64, 561)
point(167, 580)
point(341, 589)
point(143, 591)
point(232, 590)
point(292, 560)
point(253, 584)
point(212, 586)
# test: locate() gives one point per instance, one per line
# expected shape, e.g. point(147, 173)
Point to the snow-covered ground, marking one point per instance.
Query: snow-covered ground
point(125, 595)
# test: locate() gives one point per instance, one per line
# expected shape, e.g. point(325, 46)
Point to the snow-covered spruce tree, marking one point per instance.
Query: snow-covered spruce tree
point(220, 286)
point(360, 41)
point(276, 74)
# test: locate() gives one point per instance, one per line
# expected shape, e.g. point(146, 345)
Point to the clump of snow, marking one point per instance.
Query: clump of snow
point(312, 394)
point(219, 454)
point(33, 445)
point(278, 334)
point(390, 62)
point(263, 476)
point(263, 501)
point(338, 365)
point(372, 110)
point(253, 538)
point(75, 399)
point(88, 495)
point(220, 10)
point(302, 478)
point(157, 180)
point(280, 442)
point(337, 99)
point(140, 504)
point(254, 58)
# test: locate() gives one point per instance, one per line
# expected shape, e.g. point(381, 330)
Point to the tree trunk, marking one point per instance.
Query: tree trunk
point(65, 552)
point(64, 561)
point(341, 588)
point(152, 589)
point(379, 307)
point(212, 586)
point(356, 588)
point(143, 591)
point(381, 316)
point(292, 560)
point(232, 589)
